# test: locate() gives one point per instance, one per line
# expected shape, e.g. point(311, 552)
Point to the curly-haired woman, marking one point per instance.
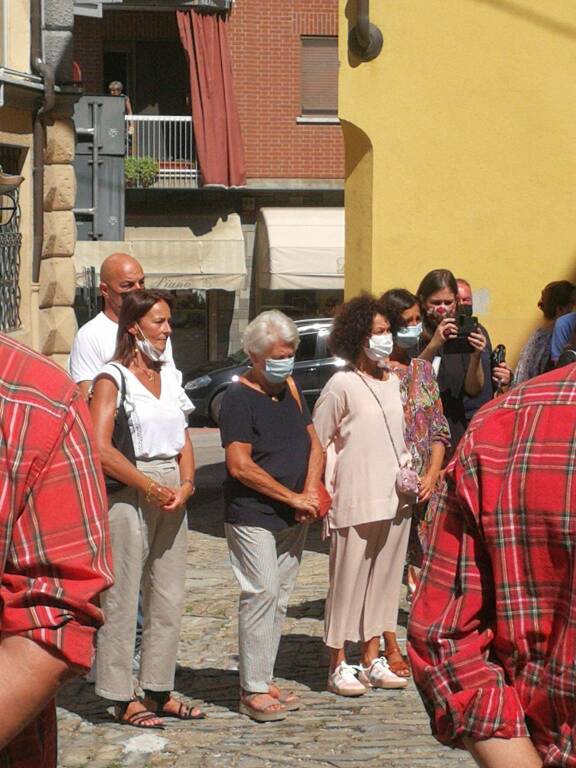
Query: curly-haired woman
point(359, 419)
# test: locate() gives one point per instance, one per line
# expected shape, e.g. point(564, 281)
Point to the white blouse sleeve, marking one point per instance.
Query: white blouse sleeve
point(180, 396)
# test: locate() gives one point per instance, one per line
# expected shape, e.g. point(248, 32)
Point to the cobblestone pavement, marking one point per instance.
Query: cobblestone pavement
point(383, 728)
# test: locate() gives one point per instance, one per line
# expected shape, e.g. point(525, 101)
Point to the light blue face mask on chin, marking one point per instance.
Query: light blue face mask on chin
point(408, 337)
point(277, 371)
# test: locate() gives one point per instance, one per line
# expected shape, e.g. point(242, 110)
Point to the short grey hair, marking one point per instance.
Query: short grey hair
point(266, 329)
point(115, 84)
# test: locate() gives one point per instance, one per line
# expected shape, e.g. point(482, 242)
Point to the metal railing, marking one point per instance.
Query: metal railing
point(167, 140)
point(10, 242)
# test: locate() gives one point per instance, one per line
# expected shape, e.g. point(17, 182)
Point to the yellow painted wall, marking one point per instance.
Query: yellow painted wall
point(461, 151)
point(18, 38)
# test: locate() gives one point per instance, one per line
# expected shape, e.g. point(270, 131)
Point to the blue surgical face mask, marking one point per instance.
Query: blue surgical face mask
point(277, 371)
point(379, 347)
point(408, 337)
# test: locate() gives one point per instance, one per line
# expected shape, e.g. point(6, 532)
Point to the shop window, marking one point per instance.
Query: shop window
point(319, 76)
point(10, 240)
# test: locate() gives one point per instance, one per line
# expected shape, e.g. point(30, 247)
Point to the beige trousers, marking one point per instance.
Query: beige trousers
point(149, 552)
point(266, 565)
point(366, 566)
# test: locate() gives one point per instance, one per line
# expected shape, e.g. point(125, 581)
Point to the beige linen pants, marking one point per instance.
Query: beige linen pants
point(148, 551)
point(266, 565)
point(366, 566)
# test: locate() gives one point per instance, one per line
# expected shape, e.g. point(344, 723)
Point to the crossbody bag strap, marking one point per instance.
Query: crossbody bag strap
point(294, 392)
point(375, 396)
point(122, 386)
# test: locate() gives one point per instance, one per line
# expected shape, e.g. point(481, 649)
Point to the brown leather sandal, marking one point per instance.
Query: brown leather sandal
point(397, 662)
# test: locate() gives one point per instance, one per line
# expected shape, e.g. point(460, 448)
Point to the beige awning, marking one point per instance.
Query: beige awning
point(207, 254)
point(300, 248)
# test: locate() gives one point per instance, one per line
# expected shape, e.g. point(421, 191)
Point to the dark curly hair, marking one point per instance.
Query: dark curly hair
point(396, 301)
point(353, 325)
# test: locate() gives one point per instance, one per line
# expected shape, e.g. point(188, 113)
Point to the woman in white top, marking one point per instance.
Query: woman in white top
point(369, 522)
point(148, 527)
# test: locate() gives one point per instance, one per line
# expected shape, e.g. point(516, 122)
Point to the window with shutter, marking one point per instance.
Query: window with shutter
point(319, 75)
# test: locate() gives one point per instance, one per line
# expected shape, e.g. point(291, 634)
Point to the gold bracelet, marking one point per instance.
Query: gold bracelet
point(149, 491)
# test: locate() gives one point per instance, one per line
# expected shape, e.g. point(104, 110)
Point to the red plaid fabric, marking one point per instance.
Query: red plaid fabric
point(54, 558)
point(492, 636)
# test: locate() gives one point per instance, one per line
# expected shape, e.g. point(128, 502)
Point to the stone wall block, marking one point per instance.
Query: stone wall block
point(59, 187)
point(59, 14)
point(60, 142)
point(57, 282)
point(59, 234)
point(61, 360)
point(59, 52)
point(57, 328)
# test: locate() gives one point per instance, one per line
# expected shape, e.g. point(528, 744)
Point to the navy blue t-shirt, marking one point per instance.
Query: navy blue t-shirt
point(280, 442)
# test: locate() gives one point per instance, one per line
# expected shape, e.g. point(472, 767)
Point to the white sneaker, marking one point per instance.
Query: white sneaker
point(379, 675)
point(344, 681)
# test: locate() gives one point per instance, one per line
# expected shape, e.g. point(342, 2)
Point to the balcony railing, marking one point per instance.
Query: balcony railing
point(169, 141)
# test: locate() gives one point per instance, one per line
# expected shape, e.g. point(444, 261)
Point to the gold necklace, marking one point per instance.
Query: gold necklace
point(147, 372)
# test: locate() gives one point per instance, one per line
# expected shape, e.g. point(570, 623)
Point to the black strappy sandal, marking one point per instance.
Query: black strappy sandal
point(184, 711)
point(140, 719)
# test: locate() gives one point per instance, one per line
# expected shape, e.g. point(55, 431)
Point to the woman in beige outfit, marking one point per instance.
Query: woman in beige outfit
point(369, 523)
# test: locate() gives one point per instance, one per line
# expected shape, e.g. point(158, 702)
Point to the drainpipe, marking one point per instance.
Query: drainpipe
point(46, 72)
point(365, 39)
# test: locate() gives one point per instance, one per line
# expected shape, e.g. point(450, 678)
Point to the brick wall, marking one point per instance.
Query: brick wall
point(265, 48)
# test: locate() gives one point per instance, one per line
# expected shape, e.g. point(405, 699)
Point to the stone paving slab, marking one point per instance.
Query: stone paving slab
point(382, 728)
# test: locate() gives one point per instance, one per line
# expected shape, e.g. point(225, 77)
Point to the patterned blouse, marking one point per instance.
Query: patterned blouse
point(424, 418)
point(535, 356)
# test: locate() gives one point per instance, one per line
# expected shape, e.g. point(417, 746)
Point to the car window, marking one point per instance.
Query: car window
point(307, 348)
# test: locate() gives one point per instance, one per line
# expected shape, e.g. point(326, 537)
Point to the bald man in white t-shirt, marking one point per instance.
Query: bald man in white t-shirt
point(95, 343)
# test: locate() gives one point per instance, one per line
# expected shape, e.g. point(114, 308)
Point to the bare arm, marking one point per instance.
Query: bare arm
point(446, 329)
point(84, 387)
point(316, 460)
point(430, 477)
point(474, 381)
point(102, 410)
point(31, 675)
point(504, 753)
point(243, 468)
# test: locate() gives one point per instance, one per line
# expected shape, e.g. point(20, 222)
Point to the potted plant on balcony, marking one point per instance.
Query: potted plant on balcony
point(140, 171)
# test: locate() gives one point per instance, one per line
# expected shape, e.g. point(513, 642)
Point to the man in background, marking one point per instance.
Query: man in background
point(95, 342)
point(54, 555)
point(497, 379)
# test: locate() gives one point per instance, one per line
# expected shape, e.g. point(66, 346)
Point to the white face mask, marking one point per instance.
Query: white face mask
point(147, 348)
point(379, 347)
point(408, 337)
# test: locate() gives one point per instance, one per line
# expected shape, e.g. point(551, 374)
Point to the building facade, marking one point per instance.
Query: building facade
point(460, 152)
point(37, 186)
point(284, 63)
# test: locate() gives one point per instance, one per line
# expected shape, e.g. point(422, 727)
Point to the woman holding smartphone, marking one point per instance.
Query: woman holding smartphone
point(458, 373)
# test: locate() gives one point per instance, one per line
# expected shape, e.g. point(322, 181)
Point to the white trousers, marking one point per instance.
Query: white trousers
point(149, 550)
point(266, 565)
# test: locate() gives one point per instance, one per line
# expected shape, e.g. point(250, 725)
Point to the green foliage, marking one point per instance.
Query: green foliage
point(140, 171)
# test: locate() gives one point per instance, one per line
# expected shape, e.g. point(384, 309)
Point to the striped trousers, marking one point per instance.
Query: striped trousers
point(266, 565)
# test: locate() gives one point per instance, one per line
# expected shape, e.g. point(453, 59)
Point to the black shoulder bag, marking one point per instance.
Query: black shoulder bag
point(121, 437)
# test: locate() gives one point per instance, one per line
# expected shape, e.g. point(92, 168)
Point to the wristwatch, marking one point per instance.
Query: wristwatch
point(192, 486)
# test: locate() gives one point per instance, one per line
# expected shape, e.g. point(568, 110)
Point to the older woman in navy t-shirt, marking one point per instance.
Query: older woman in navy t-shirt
point(274, 462)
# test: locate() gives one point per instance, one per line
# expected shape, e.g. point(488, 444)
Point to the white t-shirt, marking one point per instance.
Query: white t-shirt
point(157, 425)
point(94, 346)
